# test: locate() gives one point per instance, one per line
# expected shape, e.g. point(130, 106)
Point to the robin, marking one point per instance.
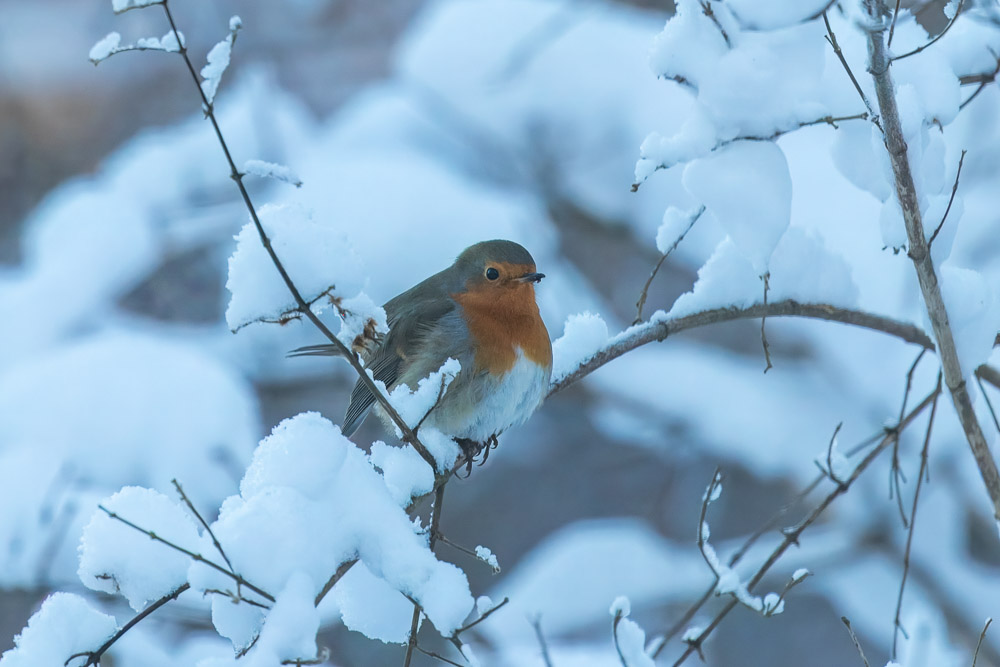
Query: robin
point(481, 311)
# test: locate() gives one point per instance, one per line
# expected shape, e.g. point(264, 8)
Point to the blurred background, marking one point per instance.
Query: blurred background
point(419, 128)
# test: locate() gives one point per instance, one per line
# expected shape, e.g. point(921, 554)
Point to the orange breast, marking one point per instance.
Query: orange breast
point(502, 319)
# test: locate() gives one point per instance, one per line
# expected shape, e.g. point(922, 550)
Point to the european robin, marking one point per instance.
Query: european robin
point(481, 311)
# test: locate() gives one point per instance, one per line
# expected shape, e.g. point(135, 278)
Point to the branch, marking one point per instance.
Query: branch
point(658, 328)
point(409, 436)
point(958, 10)
point(94, 657)
point(190, 554)
point(982, 79)
point(645, 288)
point(536, 623)
point(854, 638)
point(896, 625)
point(832, 39)
point(919, 253)
point(951, 200)
point(411, 644)
point(792, 535)
point(982, 635)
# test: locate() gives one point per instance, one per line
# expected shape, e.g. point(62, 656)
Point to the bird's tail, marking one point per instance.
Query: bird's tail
point(324, 350)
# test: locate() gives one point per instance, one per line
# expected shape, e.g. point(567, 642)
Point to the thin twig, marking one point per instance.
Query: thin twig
point(832, 39)
point(411, 644)
point(854, 638)
point(892, 28)
point(896, 624)
point(989, 403)
point(208, 529)
point(332, 581)
point(486, 614)
point(301, 305)
point(958, 10)
point(94, 657)
point(792, 535)
point(983, 82)
point(645, 288)
point(763, 336)
point(438, 656)
point(190, 554)
point(829, 471)
point(895, 470)
point(951, 200)
point(536, 623)
point(979, 644)
point(706, 9)
point(614, 635)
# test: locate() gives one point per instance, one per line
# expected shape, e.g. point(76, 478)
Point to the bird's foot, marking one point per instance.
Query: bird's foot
point(471, 449)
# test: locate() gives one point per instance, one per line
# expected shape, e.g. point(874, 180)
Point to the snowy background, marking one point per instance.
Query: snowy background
point(418, 129)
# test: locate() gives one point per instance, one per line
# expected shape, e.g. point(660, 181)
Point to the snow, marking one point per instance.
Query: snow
point(584, 335)
point(973, 314)
point(273, 170)
point(119, 6)
point(116, 558)
point(484, 554)
point(800, 269)
point(747, 188)
point(406, 474)
point(675, 224)
point(288, 634)
point(630, 639)
point(304, 246)
point(370, 606)
point(66, 624)
point(776, 13)
point(105, 48)
point(306, 475)
point(620, 607)
point(218, 61)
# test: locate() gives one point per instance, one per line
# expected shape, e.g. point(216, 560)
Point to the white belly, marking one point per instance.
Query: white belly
point(507, 401)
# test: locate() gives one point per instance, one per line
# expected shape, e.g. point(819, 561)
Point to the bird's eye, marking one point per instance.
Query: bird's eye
point(492, 273)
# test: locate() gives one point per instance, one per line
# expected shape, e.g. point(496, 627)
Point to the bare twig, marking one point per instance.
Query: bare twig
point(829, 470)
point(854, 638)
point(763, 336)
point(958, 10)
point(332, 581)
point(438, 656)
point(951, 200)
point(892, 28)
point(614, 636)
point(792, 535)
point(190, 554)
point(301, 305)
point(989, 403)
point(645, 288)
point(982, 79)
point(208, 529)
point(706, 8)
point(536, 623)
point(896, 624)
point(825, 120)
point(979, 644)
point(482, 618)
point(832, 39)
point(919, 253)
point(94, 657)
point(895, 470)
point(435, 531)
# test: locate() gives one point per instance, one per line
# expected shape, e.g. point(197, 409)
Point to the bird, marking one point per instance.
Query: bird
point(481, 310)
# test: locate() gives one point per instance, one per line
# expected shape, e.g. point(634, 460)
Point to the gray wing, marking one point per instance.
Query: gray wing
point(414, 317)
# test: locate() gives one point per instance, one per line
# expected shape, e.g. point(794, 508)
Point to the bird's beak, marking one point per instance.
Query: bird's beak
point(531, 278)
